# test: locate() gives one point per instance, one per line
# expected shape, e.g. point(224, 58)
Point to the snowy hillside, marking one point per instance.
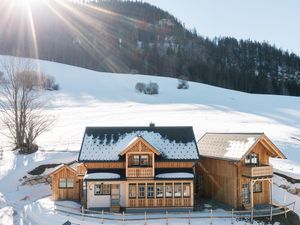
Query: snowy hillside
point(89, 98)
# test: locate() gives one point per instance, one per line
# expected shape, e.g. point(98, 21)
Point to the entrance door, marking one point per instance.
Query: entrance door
point(115, 197)
point(246, 193)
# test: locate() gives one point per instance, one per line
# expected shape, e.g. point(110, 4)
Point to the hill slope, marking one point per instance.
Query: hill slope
point(90, 98)
point(136, 37)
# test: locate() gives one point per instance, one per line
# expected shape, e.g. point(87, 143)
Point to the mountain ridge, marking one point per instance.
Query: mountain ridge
point(136, 37)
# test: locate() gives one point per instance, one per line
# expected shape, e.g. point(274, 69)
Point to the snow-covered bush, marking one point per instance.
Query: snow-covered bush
point(140, 87)
point(148, 89)
point(48, 82)
point(152, 89)
point(182, 84)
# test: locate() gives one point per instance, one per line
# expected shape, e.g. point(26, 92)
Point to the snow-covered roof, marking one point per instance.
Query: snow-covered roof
point(102, 176)
point(177, 175)
point(106, 143)
point(230, 146)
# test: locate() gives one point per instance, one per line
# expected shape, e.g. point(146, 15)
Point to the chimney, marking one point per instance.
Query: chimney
point(152, 125)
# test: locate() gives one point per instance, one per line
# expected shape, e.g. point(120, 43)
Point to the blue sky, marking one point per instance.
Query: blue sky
point(275, 21)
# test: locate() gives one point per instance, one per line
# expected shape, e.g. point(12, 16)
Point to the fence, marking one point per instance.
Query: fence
point(101, 216)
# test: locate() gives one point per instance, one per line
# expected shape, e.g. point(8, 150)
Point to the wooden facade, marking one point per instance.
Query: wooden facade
point(138, 189)
point(237, 183)
point(65, 184)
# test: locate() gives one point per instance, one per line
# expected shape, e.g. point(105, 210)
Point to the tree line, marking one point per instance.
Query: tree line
point(136, 37)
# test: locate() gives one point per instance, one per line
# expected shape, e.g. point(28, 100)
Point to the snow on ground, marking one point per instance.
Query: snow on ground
point(89, 98)
point(282, 196)
point(42, 212)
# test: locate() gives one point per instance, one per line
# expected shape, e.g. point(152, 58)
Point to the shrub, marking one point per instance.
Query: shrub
point(182, 84)
point(148, 89)
point(140, 87)
point(152, 89)
point(48, 82)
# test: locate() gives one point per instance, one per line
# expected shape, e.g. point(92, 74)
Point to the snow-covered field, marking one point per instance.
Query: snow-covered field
point(89, 98)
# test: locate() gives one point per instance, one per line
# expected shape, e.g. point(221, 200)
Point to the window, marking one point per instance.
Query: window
point(177, 190)
point(252, 160)
point(150, 191)
point(257, 187)
point(140, 160)
point(186, 190)
point(102, 189)
point(70, 183)
point(245, 193)
point(169, 190)
point(135, 160)
point(66, 183)
point(144, 160)
point(132, 190)
point(159, 190)
point(141, 190)
point(106, 189)
point(98, 189)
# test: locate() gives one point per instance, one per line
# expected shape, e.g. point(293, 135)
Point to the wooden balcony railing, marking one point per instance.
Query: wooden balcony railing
point(259, 171)
point(140, 172)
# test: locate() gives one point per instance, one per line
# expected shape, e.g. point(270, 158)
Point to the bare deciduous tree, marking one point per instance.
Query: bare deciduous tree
point(22, 103)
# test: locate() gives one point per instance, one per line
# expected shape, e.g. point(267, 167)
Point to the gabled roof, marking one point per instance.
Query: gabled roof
point(135, 141)
point(62, 166)
point(234, 146)
point(107, 143)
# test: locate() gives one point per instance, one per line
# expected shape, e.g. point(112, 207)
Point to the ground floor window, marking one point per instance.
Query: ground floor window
point(159, 190)
point(177, 190)
point(186, 190)
point(257, 187)
point(169, 190)
point(132, 190)
point(66, 183)
point(141, 190)
point(102, 189)
point(150, 190)
point(246, 193)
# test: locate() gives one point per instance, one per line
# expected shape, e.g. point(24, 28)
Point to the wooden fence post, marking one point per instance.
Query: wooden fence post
point(285, 211)
point(252, 214)
point(231, 216)
point(189, 217)
point(211, 216)
point(145, 218)
point(82, 212)
point(167, 220)
point(102, 217)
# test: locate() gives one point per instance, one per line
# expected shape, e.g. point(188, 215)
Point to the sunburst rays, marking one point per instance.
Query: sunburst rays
point(86, 27)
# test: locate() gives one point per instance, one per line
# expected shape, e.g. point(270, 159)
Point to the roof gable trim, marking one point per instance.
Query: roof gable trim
point(136, 141)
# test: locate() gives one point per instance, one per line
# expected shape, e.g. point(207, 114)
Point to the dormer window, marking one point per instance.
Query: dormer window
point(139, 161)
point(135, 160)
point(144, 160)
point(252, 160)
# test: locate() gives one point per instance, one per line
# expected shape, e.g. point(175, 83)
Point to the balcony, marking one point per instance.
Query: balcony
point(259, 171)
point(140, 172)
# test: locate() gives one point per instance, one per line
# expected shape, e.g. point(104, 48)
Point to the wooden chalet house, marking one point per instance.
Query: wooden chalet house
point(235, 169)
point(131, 167)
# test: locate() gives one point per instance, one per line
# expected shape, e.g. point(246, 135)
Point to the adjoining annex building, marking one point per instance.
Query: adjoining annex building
point(156, 168)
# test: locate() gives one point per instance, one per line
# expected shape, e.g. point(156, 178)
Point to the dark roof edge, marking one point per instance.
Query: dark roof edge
point(114, 127)
point(81, 146)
